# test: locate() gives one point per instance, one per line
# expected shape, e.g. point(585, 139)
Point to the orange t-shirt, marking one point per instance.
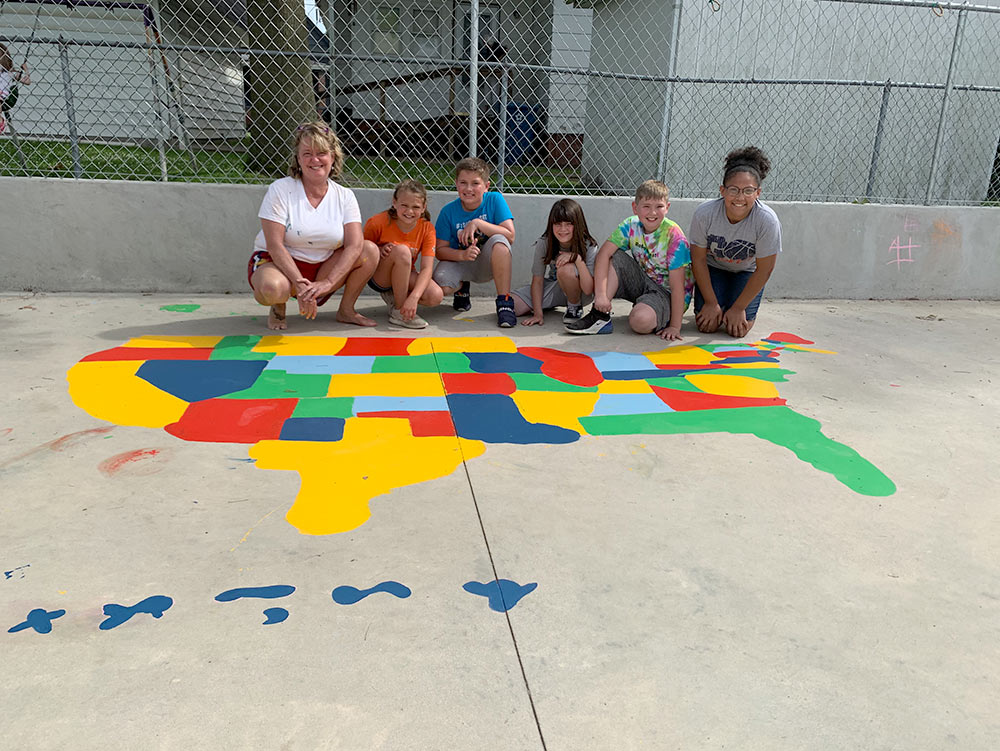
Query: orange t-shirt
point(421, 240)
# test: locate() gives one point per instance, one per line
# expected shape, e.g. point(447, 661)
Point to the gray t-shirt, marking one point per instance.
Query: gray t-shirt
point(735, 247)
point(538, 263)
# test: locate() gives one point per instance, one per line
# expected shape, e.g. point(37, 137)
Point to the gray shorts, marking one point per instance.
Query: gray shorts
point(552, 295)
point(453, 273)
point(636, 287)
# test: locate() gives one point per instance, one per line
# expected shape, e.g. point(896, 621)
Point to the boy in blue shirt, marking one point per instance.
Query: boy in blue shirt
point(475, 233)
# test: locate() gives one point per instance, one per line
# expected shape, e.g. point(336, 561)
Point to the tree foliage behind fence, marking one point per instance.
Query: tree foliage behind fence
point(863, 100)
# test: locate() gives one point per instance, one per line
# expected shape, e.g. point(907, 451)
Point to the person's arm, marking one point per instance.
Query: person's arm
point(467, 234)
point(735, 319)
point(409, 308)
point(23, 76)
point(672, 331)
point(710, 315)
point(274, 237)
point(601, 268)
point(537, 313)
point(342, 265)
point(445, 252)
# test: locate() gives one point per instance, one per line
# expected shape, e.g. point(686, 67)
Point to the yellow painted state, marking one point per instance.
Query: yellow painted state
point(752, 365)
point(686, 354)
point(733, 385)
point(300, 345)
point(385, 384)
point(625, 387)
point(173, 342)
point(375, 456)
point(111, 391)
point(427, 345)
point(562, 408)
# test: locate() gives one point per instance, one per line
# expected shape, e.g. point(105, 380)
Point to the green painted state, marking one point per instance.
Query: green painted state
point(542, 382)
point(187, 307)
point(781, 426)
point(678, 383)
point(277, 384)
point(445, 362)
point(330, 406)
point(239, 348)
point(775, 375)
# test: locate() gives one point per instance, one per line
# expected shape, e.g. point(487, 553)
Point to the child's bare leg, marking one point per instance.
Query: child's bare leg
point(500, 265)
point(271, 287)
point(432, 296)
point(521, 308)
point(569, 282)
point(356, 280)
point(642, 319)
point(400, 258)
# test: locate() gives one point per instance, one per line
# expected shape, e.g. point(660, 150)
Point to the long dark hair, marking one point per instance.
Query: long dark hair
point(568, 210)
point(410, 186)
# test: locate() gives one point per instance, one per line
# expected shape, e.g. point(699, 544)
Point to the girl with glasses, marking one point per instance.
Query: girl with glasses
point(735, 240)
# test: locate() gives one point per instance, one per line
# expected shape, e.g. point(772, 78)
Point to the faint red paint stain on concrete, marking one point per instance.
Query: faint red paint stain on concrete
point(59, 444)
point(127, 459)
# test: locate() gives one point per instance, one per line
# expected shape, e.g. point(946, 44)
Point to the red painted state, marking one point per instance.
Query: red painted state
point(569, 367)
point(368, 346)
point(422, 424)
point(782, 336)
point(150, 353)
point(114, 464)
point(692, 401)
point(233, 420)
point(478, 383)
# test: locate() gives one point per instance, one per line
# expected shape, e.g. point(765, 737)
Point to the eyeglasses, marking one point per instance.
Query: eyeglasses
point(732, 191)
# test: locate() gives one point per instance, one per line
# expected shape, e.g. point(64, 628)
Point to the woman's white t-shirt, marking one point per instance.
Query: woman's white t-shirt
point(311, 234)
point(7, 80)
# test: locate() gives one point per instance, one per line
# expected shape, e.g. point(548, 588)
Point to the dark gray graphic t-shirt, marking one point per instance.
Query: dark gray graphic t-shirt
point(735, 247)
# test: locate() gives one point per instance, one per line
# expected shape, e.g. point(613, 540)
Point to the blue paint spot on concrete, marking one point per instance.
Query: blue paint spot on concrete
point(312, 429)
point(16, 570)
point(322, 364)
point(195, 380)
point(502, 594)
point(275, 615)
point(494, 418)
point(156, 606)
point(266, 593)
point(503, 362)
point(349, 595)
point(629, 404)
point(38, 619)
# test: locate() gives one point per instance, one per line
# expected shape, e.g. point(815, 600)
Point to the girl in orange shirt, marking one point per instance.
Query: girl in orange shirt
point(402, 233)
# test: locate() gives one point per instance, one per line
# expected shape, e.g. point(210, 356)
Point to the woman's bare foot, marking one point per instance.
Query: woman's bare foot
point(276, 318)
point(354, 317)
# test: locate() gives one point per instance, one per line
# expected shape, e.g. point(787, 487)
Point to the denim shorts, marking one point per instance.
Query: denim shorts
point(728, 286)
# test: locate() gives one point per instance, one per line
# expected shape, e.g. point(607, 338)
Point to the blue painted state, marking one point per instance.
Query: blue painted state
point(195, 380)
point(38, 619)
point(640, 375)
point(275, 615)
point(494, 418)
point(349, 595)
point(503, 594)
point(610, 361)
point(312, 429)
point(265, 593)
point(628, 404)
point(322, 364)
point(399, 403)
point(156, 606)
point(738, 360)
point(503, 362)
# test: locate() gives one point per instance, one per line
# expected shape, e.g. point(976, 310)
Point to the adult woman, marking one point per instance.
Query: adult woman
point(310, 243)
point(735, 241)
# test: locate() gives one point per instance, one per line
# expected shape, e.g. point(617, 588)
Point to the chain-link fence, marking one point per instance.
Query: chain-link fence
point(857, 100)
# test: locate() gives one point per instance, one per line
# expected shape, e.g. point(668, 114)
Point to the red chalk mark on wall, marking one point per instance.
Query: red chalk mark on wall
point(127, 459)
point(899, 248)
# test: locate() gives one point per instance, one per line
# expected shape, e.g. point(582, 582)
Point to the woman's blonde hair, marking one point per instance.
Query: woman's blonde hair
point(318, 134)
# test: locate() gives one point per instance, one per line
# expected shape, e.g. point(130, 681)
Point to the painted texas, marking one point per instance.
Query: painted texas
point(357, 417)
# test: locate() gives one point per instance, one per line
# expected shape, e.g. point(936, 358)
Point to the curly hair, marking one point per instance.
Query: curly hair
point(321, 135)
point(748, 159)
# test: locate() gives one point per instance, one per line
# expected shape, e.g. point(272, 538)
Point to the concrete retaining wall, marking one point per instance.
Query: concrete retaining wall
point(116, 236)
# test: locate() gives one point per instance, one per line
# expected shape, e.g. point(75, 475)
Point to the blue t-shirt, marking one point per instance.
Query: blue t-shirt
point(453, 217)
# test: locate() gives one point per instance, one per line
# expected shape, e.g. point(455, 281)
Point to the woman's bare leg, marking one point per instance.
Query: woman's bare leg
point(271, 287)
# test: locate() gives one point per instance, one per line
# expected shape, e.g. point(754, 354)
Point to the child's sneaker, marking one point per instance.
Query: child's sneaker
point(595, 322)
point(462, 301)
point(396, 319)
point(573, 313)
point(505, 312)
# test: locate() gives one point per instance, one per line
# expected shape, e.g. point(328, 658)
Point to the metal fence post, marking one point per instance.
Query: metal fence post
point(877, 146)
point(502, 145)
point(74, 139)
point(939, 138)
point(668, 97)
point(473, 77)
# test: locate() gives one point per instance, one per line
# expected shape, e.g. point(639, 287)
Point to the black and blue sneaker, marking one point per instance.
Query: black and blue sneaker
point(505, 312)
point(595, 322)
point(463, 300)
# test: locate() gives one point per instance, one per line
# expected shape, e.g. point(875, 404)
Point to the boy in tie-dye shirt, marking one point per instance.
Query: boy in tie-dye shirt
point(647, 262)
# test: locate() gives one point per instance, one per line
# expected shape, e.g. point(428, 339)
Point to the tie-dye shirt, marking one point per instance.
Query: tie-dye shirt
point(657, 252)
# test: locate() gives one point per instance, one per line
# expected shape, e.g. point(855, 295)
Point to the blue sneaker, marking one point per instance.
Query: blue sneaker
point(505, 312)
point(595, 322)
